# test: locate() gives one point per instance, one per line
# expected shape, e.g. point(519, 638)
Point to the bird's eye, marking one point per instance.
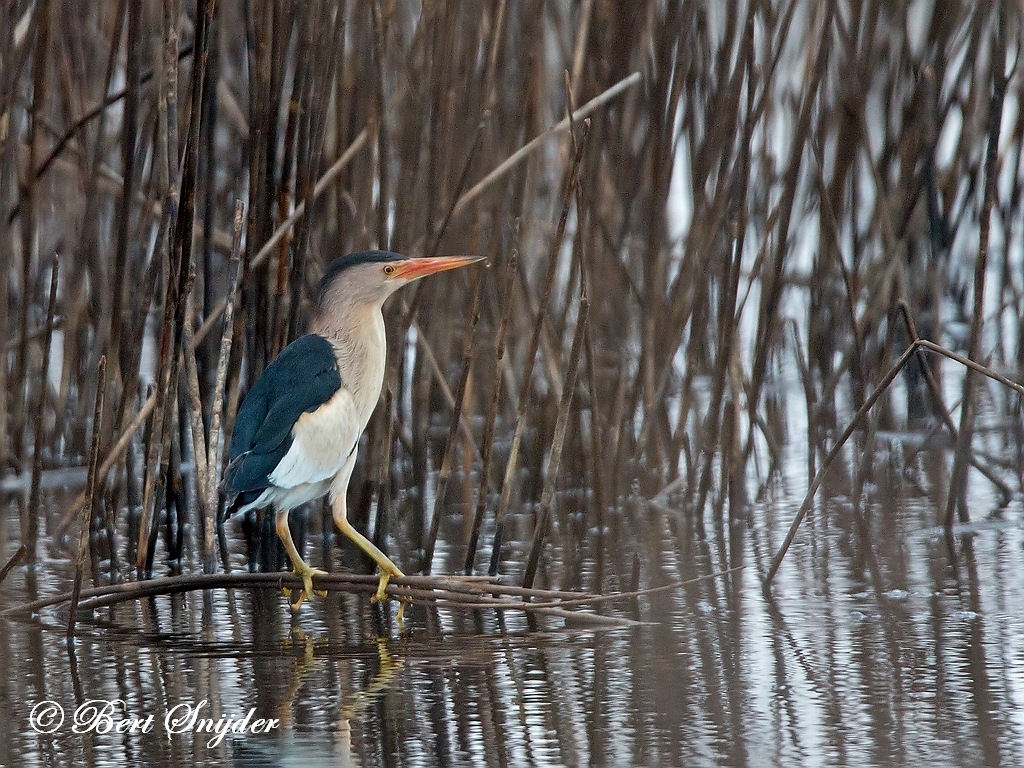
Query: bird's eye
point(389, 269)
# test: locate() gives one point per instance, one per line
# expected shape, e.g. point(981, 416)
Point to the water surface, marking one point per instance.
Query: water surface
point(901, 658)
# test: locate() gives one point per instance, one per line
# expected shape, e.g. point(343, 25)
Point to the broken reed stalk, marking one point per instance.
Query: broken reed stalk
point(772, 273)
point(278, 319)
point(377, 24)
point(456, 419)
point(156, 456)
point(169, 102)
point(90, 496)
point(583, 225)
point(851, 427)
point(727, 331)
point(936, 393)
point(956, 502)
point(215, 457)
point(129, 139)
point(490, 94)
point(585, 599)
point(558, 441)
point(509, 281)
point(31, 528)
point(984, 370)
point(732, 265)
point(531, 351)
point(833, 453)
point(831, 222)
point(579, 51)
point(346, 582)
point(382, 442)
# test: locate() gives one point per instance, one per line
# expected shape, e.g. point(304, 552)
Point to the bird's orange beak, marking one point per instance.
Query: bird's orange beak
point(411, 269)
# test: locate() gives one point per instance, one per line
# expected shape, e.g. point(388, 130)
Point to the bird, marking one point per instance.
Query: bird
point(297, 430)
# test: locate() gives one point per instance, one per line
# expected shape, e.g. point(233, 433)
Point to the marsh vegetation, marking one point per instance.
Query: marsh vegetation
point(740, 256)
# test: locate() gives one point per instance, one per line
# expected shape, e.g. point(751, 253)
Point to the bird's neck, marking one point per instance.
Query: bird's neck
point(360, 344)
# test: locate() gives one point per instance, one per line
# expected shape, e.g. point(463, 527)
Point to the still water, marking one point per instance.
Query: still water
point(903, 657)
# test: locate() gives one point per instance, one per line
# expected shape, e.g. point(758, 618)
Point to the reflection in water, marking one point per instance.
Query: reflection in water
point(750, 211)
point(900, 660)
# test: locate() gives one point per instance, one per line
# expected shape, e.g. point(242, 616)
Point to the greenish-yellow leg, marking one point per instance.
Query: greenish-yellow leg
point(299, 566)
point(384, 564)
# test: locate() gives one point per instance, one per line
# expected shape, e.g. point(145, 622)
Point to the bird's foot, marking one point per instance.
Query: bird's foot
point(381, 595)
point(382, 585)
point(306, 573)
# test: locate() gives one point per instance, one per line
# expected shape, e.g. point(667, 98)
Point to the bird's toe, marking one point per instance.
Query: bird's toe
point(305, 573)
point(382, 585)
point(381, 595)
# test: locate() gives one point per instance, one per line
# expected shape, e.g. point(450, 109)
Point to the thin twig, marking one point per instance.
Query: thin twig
point(851, 427)
point(973, 365)
point(90, 496)
point(561, 127)
point(831, 457)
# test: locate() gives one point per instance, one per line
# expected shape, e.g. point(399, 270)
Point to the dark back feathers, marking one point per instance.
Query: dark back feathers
point(299, 380)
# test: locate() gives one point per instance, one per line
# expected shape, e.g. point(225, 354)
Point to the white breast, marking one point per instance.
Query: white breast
point(321, 441)
point(324, 439)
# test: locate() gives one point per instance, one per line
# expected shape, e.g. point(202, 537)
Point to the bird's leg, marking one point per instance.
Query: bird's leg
point(299, 566)
point(384, 564)
point(387, 568)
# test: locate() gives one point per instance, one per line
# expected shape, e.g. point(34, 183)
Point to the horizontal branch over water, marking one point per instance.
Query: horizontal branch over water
point(463, 592)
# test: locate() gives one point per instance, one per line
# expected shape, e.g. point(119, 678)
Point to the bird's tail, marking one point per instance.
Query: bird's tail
point(245, 480)
point(237, 502)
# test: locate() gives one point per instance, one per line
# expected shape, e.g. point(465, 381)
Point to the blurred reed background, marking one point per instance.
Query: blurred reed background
point(759, 198)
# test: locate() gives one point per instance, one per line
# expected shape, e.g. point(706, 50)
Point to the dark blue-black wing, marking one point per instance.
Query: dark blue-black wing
point(301, 379)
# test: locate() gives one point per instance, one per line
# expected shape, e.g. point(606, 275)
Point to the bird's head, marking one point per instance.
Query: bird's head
point(369, 277)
